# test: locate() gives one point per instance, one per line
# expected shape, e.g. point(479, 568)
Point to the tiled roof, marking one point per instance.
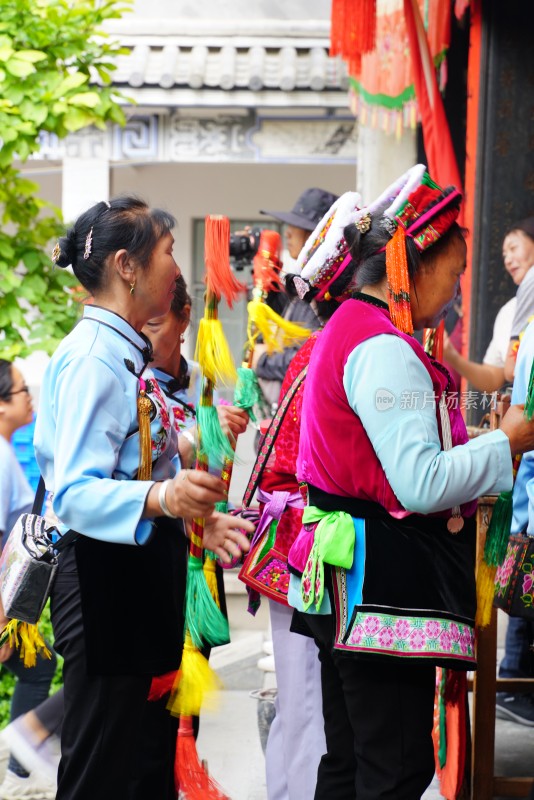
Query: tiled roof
point(251, 57)
point(228, 66)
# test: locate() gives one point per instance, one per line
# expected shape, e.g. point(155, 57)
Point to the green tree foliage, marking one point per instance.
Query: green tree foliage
point(55, 76)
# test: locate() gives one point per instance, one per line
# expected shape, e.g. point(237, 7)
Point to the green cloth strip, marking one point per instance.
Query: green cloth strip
point(333, 542)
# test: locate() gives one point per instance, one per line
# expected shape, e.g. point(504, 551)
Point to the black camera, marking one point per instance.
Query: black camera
point(244, 246)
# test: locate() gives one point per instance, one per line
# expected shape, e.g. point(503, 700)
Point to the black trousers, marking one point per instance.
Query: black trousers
point(378, 723)
point(115, 744)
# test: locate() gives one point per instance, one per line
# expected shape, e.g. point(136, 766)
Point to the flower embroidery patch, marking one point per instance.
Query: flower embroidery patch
point(528, 582)
point(161, 425)
point(411, 636)
point(504, 573)
point(275, 576)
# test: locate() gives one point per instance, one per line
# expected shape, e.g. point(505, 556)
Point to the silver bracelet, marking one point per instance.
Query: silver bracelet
point(161, 497)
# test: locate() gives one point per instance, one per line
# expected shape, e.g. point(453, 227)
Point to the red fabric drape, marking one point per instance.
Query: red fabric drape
point(442, 163)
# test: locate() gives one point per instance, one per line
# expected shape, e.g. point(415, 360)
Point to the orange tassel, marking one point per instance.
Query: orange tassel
point(191, 779)
point(220, 279)
point(398, 282)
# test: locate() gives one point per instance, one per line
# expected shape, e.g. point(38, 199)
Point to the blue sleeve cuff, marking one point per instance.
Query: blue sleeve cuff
point(144, 531)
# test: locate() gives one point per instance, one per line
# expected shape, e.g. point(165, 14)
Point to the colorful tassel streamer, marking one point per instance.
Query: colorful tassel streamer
point(220, 279)
point(495, 547)
point(263, 320)
point(353, 30)
point(205, 621)
point(213, 443)
point(498, 532)
point(440, 731)
point(162, 685)
point(212, 352)
point(190, 776)
point(529, 399)
point(210, 573)
point(27, 639)
point(266, 265)
point(144, 408)
point(449, 731)
point(398, 282)
point(433, 341)
point(247, 392)
point(196, 685)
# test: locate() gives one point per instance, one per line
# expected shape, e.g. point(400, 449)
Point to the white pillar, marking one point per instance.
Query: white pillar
point(382, 157)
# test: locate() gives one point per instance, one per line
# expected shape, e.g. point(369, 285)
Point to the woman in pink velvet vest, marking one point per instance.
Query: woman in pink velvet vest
point(383, 569)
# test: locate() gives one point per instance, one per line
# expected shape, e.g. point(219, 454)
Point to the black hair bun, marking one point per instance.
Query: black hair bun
point(67, 250)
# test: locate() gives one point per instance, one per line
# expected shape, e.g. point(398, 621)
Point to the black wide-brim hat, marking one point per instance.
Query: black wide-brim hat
point(309, 209)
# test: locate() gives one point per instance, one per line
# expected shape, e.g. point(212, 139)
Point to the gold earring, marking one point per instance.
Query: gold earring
point(132, 287)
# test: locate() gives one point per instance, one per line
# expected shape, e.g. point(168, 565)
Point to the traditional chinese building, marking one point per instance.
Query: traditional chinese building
point(235, 107)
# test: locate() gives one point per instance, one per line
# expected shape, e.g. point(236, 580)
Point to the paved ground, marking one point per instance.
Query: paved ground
point(229, 737)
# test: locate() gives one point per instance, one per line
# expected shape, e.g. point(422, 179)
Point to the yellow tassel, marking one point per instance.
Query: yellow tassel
point(212, 352)
point(211, 578)
point(485, 593)
point(196, 685)
point(28, 639)
point(269, 324)
point(144, 408)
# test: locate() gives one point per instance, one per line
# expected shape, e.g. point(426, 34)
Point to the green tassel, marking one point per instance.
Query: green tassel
point(442, 747)
point(247, 391)
point(500, 525)
point(214, 443)
point(222, 506)
point(529, 400)
point(499, 530)
point(203, 618)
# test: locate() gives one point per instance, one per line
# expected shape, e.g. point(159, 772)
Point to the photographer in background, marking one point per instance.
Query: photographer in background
point(244, 247)
point(308, 210)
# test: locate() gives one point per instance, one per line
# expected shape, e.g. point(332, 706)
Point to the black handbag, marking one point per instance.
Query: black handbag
point(514, 579)
point(29, 563)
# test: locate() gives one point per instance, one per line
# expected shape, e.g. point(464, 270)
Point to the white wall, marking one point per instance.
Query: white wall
point(238, 9)
point(239, 191)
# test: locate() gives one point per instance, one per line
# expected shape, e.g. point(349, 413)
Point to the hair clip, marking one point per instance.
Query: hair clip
point(56, 252)
point(389, 224)
point(107, 203)
point(302, 287)
point(364, 222)
point(88, 245)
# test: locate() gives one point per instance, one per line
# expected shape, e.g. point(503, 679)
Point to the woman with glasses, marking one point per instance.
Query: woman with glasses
point(16, 497)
